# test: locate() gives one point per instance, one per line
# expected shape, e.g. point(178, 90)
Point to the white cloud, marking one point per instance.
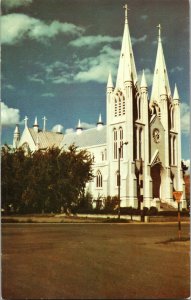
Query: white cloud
point(15, 27)
point(9, 116)
point(35, 78)
point(185, 118)
point(138, 40)
point(48, 95)
point(97, 68)
point(9, 86)
point(57, 128)
point(148, 76)
point(93, 40)
point(178, 68)
point(15, 3)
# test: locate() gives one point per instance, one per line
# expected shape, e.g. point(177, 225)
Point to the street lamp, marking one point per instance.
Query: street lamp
point(119, 177)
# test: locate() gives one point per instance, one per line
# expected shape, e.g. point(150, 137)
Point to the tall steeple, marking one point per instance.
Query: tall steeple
point(160, 80)
point(126, 61)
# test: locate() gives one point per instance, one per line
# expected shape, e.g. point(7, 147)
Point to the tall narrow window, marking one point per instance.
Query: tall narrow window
point(172, 117)
point(99, 180)
point(140, 143)
point(119, 106)
point(115, 107)
point(123, 105)
point(121, 140)
point(174, 150)
point(115, 143)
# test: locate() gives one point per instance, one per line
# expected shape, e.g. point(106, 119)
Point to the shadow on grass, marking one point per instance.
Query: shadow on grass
point(182, 239)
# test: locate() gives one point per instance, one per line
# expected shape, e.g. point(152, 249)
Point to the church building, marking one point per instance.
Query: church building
point(142, 136)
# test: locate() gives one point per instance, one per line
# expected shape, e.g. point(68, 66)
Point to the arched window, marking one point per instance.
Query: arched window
point(115, 143)
point(121, 140)
point(99, 179)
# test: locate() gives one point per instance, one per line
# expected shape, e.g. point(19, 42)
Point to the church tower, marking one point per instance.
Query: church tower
point(165, 133)
point(127, 122)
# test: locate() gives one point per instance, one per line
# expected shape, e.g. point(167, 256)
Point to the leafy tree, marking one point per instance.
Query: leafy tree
point(46, 181)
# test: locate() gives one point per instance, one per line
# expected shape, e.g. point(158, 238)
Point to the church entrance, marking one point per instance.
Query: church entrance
point(156, 177)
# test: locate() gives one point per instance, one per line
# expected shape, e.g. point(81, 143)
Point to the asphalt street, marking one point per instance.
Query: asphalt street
point(94, 261)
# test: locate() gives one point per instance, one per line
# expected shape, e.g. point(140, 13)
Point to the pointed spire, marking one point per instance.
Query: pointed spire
point(160, 79)
point(35, 122)
point(109, 82)
point(176, 95)
point(16, 131)
point(99, 123)
point(35, 126)
point(143, 81)
point(16, 137)
point(126, 61)
point(79, 128)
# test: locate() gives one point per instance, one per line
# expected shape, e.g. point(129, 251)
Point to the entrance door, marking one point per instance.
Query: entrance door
point(156, 177)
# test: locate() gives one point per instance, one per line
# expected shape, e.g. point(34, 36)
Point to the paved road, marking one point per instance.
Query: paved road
point(94, 261)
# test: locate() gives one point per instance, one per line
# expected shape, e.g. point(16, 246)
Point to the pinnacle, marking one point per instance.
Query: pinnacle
point(143, 81)
point(176, 95)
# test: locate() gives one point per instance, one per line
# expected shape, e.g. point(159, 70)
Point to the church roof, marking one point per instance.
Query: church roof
point(46, 139)
point(87, 138)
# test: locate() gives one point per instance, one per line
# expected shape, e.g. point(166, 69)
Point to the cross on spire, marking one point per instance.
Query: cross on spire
point(25, 119)
point(126, 9)
point(44, 123)
point(159, 32)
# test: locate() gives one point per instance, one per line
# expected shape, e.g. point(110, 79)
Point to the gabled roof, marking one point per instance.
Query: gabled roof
point(46, 139)
point(87, 138)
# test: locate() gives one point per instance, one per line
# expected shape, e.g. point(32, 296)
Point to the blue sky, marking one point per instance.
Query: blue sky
point(56, 55)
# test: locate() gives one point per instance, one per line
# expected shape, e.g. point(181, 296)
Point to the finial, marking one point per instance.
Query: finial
point(44, 123)
point(26, 119)
point(126, 9)
point(159, 32)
